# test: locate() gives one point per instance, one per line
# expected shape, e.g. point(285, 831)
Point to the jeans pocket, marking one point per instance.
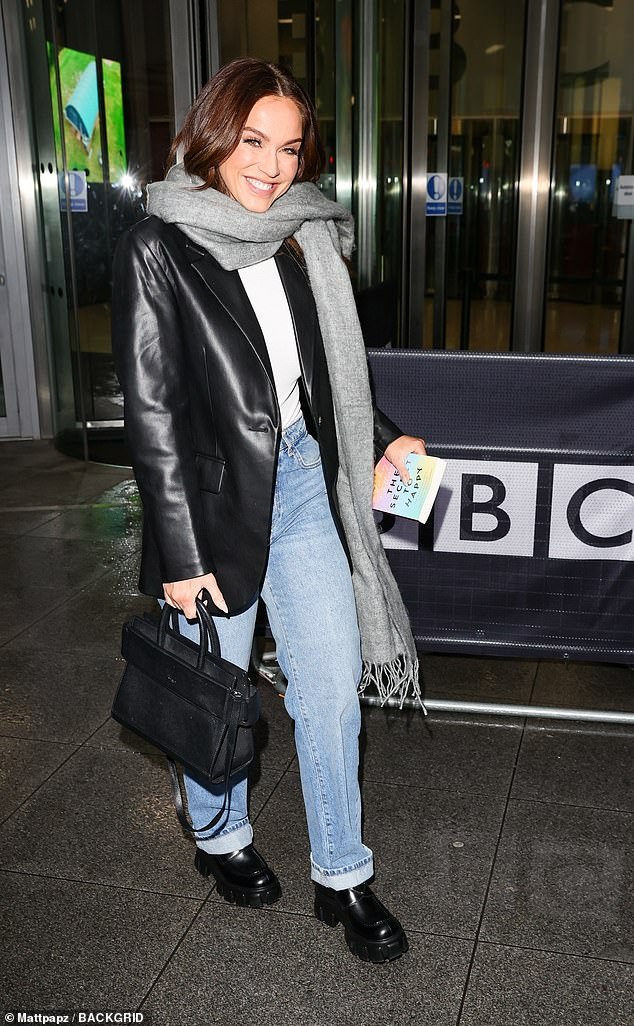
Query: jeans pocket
point(307, 452)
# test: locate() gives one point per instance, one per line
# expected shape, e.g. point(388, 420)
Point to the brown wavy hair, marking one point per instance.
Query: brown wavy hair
point(214, 122)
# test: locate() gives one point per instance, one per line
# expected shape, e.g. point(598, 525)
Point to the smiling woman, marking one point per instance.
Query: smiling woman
point(246, 392)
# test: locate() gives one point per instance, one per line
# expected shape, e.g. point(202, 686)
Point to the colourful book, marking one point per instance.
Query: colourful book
point(392, 495)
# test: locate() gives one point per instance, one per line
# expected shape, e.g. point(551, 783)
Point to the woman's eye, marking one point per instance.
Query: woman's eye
point(252, 142)
point(291, 152)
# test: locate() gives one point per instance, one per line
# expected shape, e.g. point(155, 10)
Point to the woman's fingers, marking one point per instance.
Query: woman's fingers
point(398, 451)
point(182, 594)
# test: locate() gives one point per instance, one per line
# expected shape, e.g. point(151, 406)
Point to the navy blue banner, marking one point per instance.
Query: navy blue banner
point(529, 550)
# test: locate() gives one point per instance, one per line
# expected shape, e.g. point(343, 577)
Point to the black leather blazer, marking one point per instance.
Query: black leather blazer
point(201, 412)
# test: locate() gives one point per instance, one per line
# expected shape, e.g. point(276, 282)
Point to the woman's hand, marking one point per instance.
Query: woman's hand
point(398, 451)
point(182, 594)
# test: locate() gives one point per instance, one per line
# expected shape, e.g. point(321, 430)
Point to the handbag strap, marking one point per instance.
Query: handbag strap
point(177, 791)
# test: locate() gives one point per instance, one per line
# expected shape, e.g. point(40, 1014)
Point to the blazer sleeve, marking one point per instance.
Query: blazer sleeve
point(151, 365)
point(385, 431)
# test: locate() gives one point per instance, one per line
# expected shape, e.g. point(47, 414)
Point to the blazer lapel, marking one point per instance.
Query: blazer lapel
point(229, 291)
point(303, 313)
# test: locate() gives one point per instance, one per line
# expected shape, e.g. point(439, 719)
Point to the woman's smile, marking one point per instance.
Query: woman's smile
point(260, 186)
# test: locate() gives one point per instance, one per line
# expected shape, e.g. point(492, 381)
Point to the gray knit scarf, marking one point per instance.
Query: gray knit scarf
point(236, 237)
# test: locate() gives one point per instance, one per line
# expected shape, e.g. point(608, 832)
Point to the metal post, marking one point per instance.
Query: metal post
point(26, 321)
point(368, 142)
point(404, 306)
point(343, 102)
point(213, 37)
point(414, 235)
point(540, 82)
point(465, 315)
point(626, 344)
point(444, 138)
point(542, 712)
point(186, 56)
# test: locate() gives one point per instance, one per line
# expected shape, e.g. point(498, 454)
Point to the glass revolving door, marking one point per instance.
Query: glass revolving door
point(102, 96)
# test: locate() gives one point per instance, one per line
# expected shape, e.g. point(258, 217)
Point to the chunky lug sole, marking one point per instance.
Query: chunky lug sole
point(246, 897)
point(368, 951)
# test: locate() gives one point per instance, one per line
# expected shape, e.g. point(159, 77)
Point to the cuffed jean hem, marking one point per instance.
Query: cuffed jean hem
point(236, 838)
point(341, 879)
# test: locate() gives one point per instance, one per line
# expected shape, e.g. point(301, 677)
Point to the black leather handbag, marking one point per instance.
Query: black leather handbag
point(196, 707)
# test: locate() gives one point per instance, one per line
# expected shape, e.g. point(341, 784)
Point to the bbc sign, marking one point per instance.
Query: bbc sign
point(490, 507)
point(529, 550)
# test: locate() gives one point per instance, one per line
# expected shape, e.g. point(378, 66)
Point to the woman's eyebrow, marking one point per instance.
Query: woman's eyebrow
point(256, 131)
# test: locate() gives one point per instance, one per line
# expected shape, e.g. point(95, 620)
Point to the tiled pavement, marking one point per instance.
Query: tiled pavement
point(504, 845)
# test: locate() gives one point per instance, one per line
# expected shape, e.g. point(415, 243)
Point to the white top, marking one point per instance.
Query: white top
point(264, 288)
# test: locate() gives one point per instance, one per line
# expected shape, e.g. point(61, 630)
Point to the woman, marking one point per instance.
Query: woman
point(250, 421)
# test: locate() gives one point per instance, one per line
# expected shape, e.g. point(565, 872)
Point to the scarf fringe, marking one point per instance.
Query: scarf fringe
point(393, 680)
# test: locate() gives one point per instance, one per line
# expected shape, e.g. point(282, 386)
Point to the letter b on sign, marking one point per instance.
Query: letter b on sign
point(487, 507)
point(491, 507)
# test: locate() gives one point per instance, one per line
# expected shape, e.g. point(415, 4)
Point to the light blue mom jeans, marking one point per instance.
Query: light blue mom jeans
point(308, 594)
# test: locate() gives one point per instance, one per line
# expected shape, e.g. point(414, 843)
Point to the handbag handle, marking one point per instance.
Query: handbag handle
point(209, 640)
point(204, 616)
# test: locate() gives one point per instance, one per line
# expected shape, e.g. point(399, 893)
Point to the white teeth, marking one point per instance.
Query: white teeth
point(263, 186)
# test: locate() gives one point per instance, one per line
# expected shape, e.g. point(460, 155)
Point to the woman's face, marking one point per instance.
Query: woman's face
point(264, 164)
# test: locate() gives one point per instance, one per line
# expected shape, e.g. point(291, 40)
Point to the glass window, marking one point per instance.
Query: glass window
point(593, 146)
point(486, 83)
point(299, 34)
point(102, 99)
point(282, 31)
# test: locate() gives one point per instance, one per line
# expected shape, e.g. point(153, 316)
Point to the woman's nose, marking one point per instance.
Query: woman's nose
point(269, 164)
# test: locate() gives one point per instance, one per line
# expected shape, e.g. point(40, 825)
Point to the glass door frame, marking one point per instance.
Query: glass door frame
point(195, 50)
point(22, 416)
point(543, 22)
point(10, 422)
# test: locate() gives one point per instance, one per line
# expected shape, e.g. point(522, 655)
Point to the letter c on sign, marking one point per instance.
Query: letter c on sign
point(573, 512)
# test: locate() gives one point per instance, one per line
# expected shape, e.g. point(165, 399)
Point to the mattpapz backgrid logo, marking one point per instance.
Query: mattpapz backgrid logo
point(491, 508)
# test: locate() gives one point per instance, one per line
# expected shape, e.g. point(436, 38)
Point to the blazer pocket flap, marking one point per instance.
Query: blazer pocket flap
point(211, 471)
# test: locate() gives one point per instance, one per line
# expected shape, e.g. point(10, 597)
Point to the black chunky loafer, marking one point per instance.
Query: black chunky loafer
point(371, 932)
point(242, 877)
